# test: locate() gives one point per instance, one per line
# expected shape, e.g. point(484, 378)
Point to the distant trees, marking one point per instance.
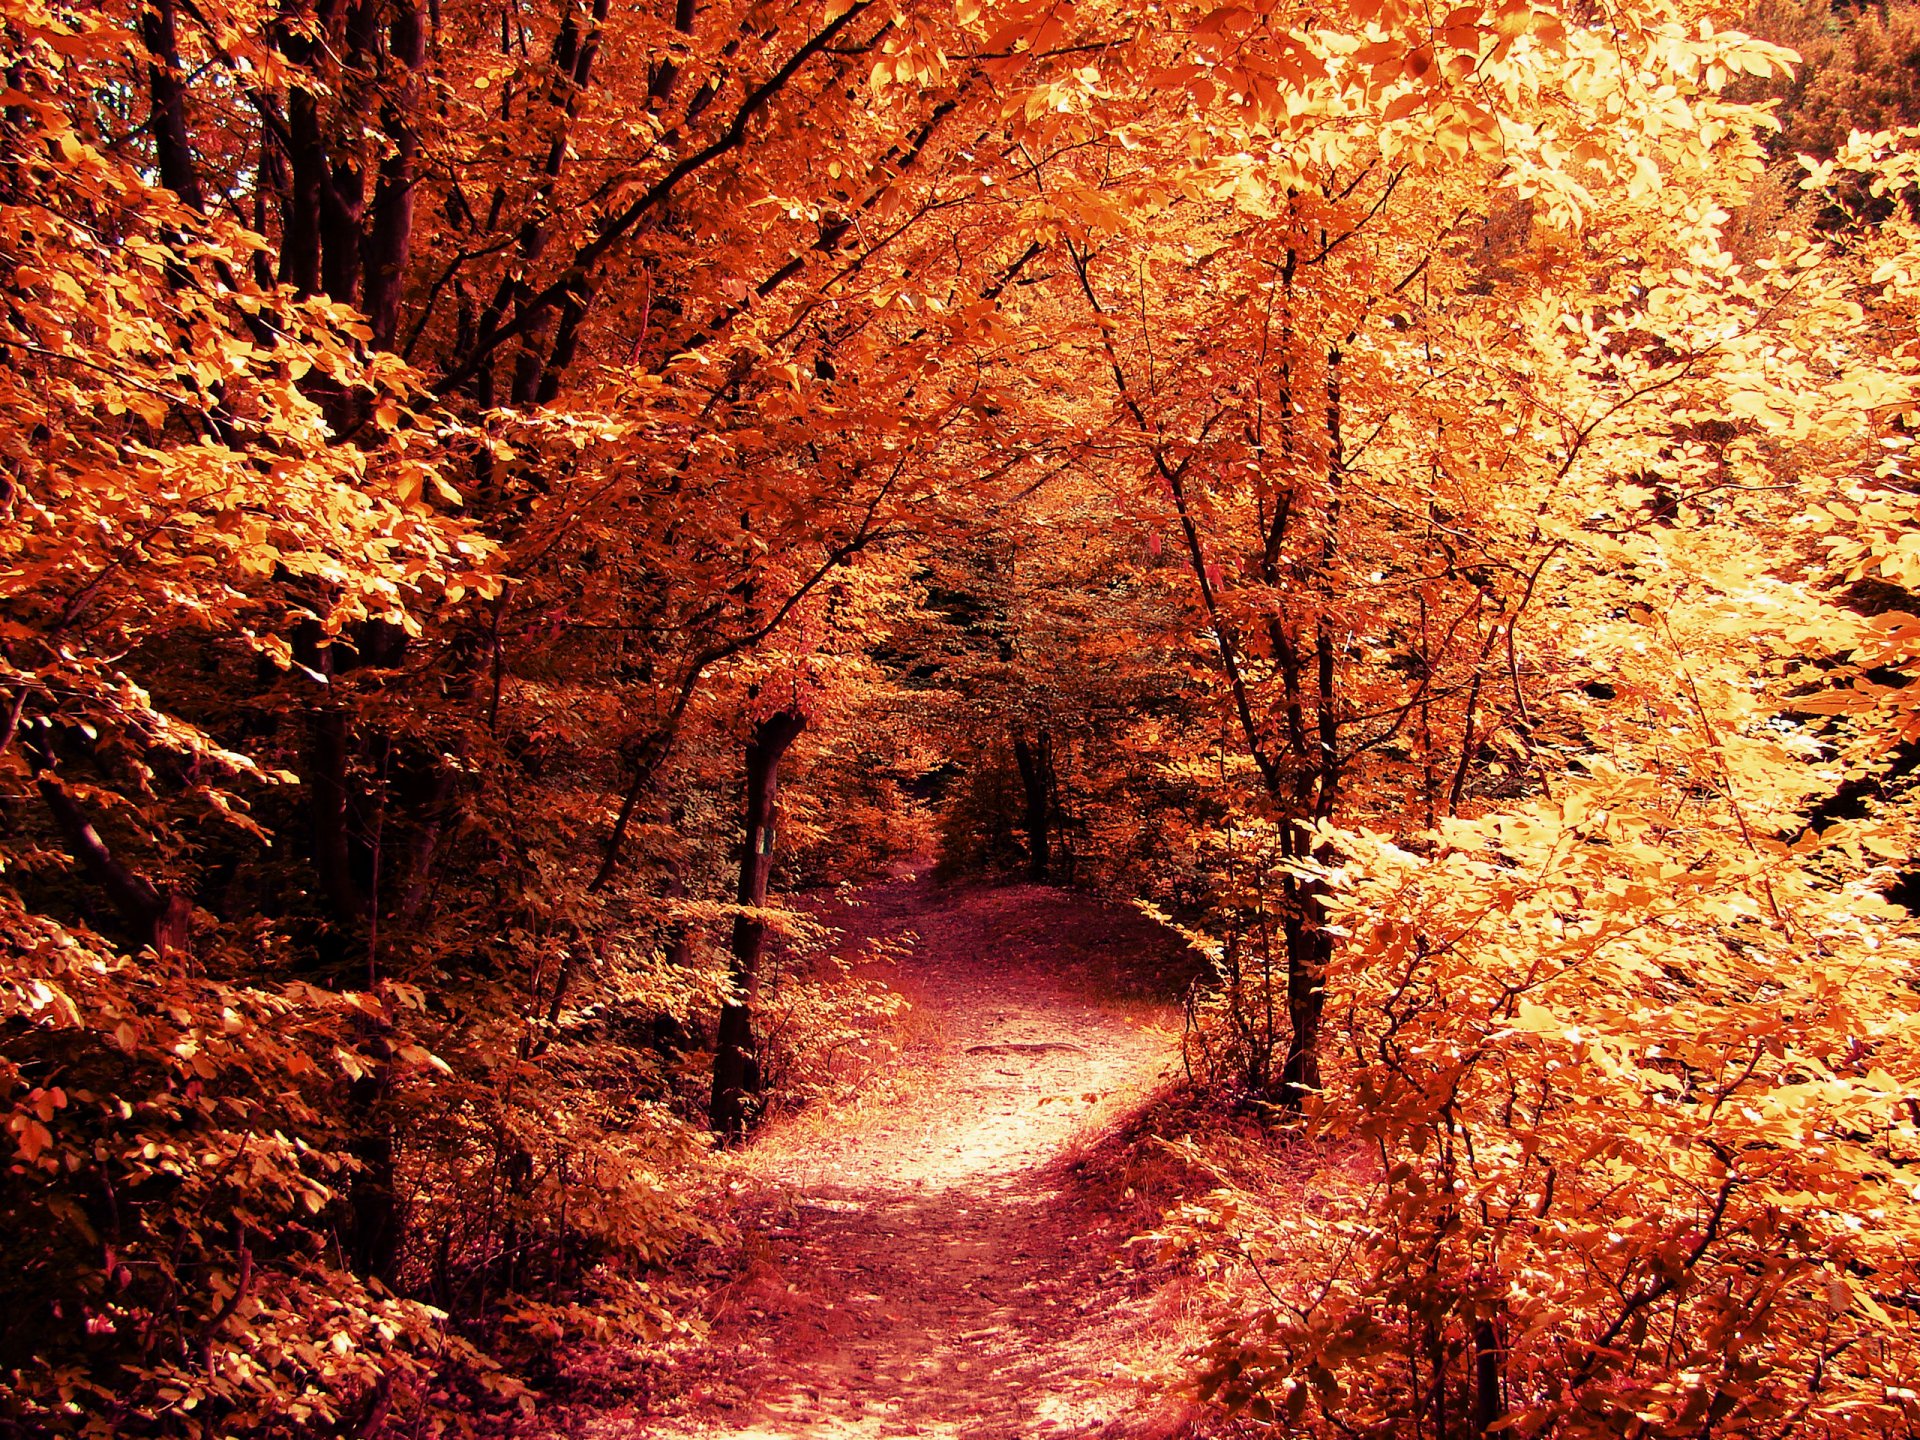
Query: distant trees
point(1859, 69)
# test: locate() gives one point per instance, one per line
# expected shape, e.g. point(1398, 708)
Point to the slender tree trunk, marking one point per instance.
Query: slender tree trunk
point(1309, 946)
point(328, 786)
point(736, 1066)
point(1035, 759)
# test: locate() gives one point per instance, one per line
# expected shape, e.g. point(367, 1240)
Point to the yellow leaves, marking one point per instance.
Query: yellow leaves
point(1645, 179)
point(1536, 1019)
point(1765, 405)
point(1860, 697)
point(911, 64)
point(420, 1055)
point(1744, 55)
point(275, 648)
point(415, 480)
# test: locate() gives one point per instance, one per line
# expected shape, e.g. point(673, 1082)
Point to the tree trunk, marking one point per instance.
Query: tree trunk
point(1488, 1403)
point(1309, 947)
point(1035, 759)
point(172, 146)
point(330, 812)
point(390, 239)
point(736, 1066)
point(376, 1225)
point(307, 176)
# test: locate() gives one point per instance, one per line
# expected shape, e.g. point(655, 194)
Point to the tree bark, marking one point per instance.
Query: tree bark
point(172, 146)
point(736, 1065)
point(328, 786)
point(1309, 946)
point(390, 240)
point(1488, 1403)
point(306, 153)
point(1035, 759)
point(377, 1221)
point(430, 828)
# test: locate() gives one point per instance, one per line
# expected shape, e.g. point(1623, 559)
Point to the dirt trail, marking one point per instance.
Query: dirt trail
point(932, 1264)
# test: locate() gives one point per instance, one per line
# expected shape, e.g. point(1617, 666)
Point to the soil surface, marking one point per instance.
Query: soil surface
point(934, 1257)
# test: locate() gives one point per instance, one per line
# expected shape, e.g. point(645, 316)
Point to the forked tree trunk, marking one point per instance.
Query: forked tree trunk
point(736, 1062)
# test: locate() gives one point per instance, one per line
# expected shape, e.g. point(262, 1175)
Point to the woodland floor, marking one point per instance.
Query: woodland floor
point(935, 1256)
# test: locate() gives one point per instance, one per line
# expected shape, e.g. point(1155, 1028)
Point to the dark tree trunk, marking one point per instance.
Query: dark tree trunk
point(171, 144)
point(307, 177)
point(1488, 1403)
point(566, 343)
point(736, 1066)
point(391, 236)
point(376, 1223)
point(327, 784)
point(342, 204)
point(434, 816)
point(1035, 759)
point(1309, 947)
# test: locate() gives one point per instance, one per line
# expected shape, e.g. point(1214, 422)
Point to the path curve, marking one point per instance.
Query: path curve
point(931, 1265)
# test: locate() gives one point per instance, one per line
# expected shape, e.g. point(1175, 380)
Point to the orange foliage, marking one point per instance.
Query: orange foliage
point(1327, 473)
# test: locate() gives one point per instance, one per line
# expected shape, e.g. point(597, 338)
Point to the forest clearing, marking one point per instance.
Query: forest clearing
point(979, 718)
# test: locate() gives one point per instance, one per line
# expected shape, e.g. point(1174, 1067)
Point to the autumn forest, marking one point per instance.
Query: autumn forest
point(993, 719)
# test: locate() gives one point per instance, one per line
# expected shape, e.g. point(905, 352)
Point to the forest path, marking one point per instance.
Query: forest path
point(932, 1264)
